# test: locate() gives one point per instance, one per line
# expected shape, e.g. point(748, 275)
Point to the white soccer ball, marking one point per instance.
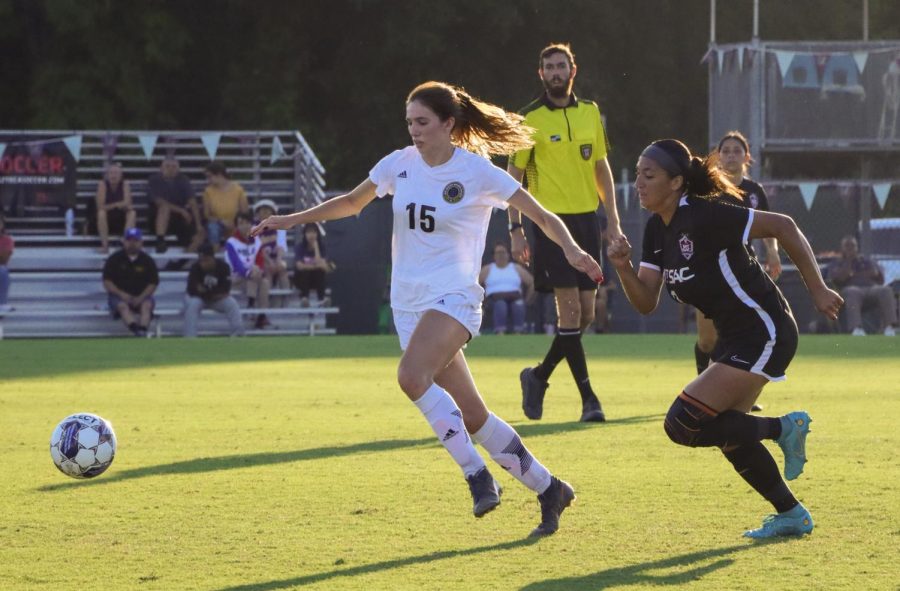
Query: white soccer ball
point(83, 445)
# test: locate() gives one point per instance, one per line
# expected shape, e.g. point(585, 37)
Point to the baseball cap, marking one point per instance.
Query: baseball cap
point(265, 203)
point(133, 234)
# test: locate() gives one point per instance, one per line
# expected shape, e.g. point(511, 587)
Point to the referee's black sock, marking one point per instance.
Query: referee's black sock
point(757, 466)
point(701, 358)
point(554, 355)
point(570, 339)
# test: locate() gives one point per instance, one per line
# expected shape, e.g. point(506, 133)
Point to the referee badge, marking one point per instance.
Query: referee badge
point(453, 193)
point(687, 246)
point(586, 151)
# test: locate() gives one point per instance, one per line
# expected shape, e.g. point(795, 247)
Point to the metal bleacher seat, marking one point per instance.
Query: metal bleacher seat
point(56, 285)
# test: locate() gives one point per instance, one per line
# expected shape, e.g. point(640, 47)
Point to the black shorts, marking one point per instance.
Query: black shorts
point(181, 228)
point(551, 269)
point(757, 350)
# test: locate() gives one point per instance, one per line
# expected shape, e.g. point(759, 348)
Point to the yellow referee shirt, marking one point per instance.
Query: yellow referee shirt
point(569, 141)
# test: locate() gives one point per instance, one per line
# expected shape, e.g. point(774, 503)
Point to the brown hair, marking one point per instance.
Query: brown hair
point(562, 48)
point(739, 138)
point(480, 127)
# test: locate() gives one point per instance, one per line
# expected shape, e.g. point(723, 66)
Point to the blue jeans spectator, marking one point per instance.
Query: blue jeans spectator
point(505, 307)
point(214, 232)
point(4, 285)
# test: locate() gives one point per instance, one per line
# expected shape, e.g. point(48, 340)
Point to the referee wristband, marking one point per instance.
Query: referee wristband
point(513, 226)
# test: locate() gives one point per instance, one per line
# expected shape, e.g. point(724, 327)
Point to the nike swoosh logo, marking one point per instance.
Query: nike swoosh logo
point(735, 358)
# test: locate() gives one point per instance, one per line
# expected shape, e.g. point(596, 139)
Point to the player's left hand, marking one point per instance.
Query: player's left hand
point(827, 301)
point(773, 268)
point(273, 222)
point(585, 263)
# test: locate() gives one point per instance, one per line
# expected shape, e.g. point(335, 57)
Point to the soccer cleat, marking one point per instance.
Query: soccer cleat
point(792, 441)
point(794, 522)
point(533, 390)
point(554, 501)
point(592, 412)
point(485, 492)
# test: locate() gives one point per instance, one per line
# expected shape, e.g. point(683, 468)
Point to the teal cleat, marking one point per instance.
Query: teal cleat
point(795, 522)
point(794, 429)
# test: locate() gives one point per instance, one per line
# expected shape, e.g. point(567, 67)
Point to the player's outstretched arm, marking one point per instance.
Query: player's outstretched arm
point(335, 208)
point(553, 227)
point(775, 225)
point(518, 242)
point(642, 288)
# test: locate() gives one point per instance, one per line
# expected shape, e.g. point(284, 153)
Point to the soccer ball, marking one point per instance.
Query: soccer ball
point(83, 445)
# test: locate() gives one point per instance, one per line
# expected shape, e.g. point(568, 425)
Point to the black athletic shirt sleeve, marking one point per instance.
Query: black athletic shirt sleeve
point(725, 225)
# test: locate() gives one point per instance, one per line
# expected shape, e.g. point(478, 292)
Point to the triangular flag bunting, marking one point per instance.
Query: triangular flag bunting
point(148, 143)
point(740, 58)
point(808, 191)
point(211, 143)
point(881, 190)
point(720, 55)
point(277, 150)
point(861, 57)
point(73, 143)
point(706, 56)
point(2, 150)
point(784, 61)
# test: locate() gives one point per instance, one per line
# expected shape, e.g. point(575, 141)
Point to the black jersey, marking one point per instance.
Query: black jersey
point(754, 198)
point(704, 262)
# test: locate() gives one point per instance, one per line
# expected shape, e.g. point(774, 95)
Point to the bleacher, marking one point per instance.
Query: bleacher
point(56, 285)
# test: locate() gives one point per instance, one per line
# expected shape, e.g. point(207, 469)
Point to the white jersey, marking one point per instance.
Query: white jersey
point(502, 279)
point(441, 216)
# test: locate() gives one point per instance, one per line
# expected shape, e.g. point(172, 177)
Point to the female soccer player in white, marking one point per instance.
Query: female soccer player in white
point(444, 190)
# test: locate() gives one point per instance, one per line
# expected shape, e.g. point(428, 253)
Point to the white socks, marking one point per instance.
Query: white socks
point(445, 418)
point(507, 449)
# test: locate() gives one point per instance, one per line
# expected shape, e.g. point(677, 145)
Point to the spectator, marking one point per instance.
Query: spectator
point(245, 256)
point(130, 277)
point(503, 281)
point(209, 286)
point(7, 245)
point(223, 199)
point(860, 279)
point(310, 265)
point(114, 206)
point(274, 246)
point(173, 207)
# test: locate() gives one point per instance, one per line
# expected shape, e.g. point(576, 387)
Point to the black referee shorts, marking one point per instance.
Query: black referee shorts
point(766, 348)
point(551, 269)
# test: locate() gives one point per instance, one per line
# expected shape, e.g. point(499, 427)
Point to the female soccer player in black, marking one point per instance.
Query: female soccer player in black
point(733, 158)
point(696, 247)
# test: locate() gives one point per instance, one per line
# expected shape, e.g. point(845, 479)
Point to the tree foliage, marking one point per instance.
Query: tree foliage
point(339, 70)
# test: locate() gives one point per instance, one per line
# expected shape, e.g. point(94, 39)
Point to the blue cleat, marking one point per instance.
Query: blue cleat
point(794, 429)
point(795, 522)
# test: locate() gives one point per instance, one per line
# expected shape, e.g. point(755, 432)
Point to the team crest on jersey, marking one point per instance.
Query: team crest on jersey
point(586, 151)
point(687, 246)
point(754, 200)
point(454, 192)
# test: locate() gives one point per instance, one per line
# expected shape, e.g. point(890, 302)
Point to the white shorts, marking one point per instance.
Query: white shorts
point(454, 306)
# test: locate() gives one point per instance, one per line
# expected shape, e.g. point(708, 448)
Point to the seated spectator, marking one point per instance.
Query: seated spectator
point(114, 206)
point(245, 257)
point(503, 282)
point(7, 245)
point(130, 278)
point(209, 286)
point(859, 280)
point(311, 266)
point(223, 199)
point(173, 207)
point(274, 246)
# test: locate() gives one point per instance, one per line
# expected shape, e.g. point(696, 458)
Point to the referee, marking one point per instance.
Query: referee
point(568, 174)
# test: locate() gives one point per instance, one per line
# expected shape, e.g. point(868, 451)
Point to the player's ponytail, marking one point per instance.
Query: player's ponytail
point(480, 127)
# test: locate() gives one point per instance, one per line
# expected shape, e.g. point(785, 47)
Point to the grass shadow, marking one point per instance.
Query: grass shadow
point(215, 464)
point(690, 568)
point(378, 567)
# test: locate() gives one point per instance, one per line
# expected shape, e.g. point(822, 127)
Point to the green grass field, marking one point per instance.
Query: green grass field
point(297, 463)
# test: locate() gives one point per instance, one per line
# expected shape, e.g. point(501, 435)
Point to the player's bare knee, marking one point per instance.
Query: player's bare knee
point(412, 381)
point(587, 318)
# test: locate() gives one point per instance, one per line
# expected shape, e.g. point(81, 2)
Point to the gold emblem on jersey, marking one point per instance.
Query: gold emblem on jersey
point(454, 192)
point(586, 151)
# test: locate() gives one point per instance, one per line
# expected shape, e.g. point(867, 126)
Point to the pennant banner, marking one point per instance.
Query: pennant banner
point(211, 143)
point(2, 150)
point(861, 57)
point(740, 58)
point(148, 143)
point(881, 190)
point(808, 191)
point(784, 61)
point(73, 143)
point(720, 59)
point(277, 150)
